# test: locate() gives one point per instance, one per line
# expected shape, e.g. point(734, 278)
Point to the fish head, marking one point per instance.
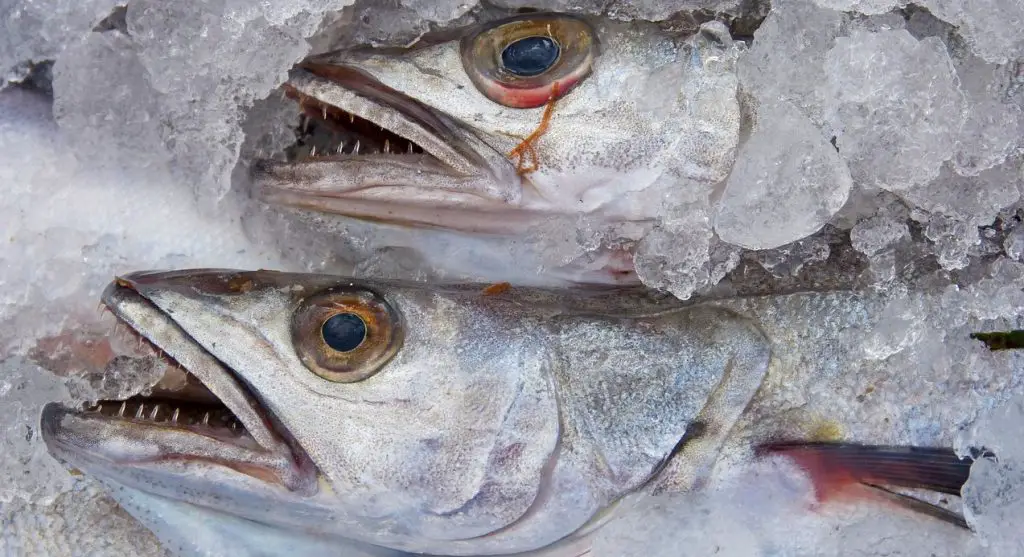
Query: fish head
point(448, 420)
point(527, 118)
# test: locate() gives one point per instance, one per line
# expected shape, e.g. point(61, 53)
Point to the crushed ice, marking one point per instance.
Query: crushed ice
point(883, 145)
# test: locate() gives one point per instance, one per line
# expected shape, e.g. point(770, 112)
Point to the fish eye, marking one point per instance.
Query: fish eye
point(530, 56)
point(343, 332)
point(522, 61)
point(346, 335)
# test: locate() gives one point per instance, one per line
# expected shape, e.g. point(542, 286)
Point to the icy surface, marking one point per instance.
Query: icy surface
point(786, 184)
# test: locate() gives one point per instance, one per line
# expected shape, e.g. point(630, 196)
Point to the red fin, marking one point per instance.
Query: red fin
point(835, 466)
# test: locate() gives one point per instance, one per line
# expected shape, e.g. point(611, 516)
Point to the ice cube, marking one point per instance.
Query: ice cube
point(895, 106)
point(105, 104)
point(875, 234)
point(787, 183)
point(973, 199)
point(991, 27)
point(793, 30)
point(994, 125)
point(674, 255)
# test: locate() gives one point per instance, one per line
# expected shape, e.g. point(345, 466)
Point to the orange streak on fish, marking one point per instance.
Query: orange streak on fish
point(526, 147)
point(495, 289)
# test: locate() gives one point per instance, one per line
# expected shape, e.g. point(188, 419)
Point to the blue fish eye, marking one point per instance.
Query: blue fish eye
point(530, 56)
point(344, 332)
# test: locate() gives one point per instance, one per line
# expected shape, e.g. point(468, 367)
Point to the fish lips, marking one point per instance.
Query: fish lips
point(118, 443)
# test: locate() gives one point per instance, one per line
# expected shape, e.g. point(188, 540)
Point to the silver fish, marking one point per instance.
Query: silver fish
point(329, 416)
point(450, 420)
point(622, 118)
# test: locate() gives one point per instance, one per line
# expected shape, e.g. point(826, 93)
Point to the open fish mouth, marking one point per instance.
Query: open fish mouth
point(372, 152)
point(198, 413)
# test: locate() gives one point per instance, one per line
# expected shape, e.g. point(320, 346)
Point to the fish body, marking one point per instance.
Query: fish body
point(392, 418)
point(624, 119)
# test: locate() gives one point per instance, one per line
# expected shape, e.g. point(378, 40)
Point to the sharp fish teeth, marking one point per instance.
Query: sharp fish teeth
point(387, 146)
point(138, 413)
point(154, 413)
point(355, 150)
point(206, 418)
point(120, 411)
point(351, 118)
point(174, 416)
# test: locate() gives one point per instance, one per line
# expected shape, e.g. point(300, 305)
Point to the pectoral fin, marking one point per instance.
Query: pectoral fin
point(835, 467)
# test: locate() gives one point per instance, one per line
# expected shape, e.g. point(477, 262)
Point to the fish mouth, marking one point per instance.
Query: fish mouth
point(375, 153)
point(198, 413)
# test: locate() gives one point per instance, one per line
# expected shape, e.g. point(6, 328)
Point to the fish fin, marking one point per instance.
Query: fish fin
point(920, 506)
point(833, 465)
point(835, 468)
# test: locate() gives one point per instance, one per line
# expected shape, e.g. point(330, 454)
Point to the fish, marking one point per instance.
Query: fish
point(324, 415)
point(525, 123)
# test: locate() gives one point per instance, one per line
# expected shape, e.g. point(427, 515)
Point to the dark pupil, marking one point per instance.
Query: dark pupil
point(530, 56)
point(344, 332)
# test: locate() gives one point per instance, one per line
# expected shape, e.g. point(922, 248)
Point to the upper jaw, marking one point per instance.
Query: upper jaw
point(441, 162)
point(170, 425)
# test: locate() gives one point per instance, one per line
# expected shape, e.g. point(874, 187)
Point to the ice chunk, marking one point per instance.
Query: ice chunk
point(786, 184)
point(38, 30)
point(26, 470)
point(794, 30)
point(895, 106)
point(991, 27)
point(953, 240)
point(875, 234)
point(440, 10)
point(876, 238)
point(105, 104)
point(994, 126)
point(674, 255)
point(1014, 244)
point(976, 199)
point(788, 260)
point(994, 493)
point(204, 81)
point(862, 6)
